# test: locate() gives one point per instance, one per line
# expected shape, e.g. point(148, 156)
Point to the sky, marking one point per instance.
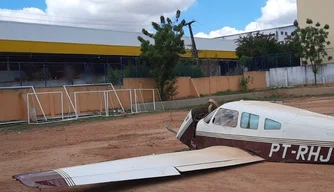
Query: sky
point(212, 18)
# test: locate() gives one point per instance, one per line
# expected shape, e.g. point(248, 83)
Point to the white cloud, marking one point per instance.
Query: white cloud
point(219, 32)
point(127, 15)
point(274, 13)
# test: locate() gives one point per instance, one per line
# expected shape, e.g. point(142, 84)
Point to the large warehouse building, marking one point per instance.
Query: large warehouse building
point(27, 48)
point(52, 39)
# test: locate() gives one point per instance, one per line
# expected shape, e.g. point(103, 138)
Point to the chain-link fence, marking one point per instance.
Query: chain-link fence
point(206, 67)
point(277, 60)
point(53, 74)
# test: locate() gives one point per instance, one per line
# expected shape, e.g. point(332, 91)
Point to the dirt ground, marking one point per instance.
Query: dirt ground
point(50, 148)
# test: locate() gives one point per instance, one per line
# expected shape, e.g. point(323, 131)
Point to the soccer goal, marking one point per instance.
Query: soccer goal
point(13, 101)
point(104, 103)
point(126, 99)
point(92, 100)
point(53, 107)
point(147, 100)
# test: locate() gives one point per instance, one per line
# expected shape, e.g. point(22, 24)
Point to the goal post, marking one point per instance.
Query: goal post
point(52, 109)
point(89, 103)
point(147, 100)
point(72, 102)
point(103, 102)
point(125, 97)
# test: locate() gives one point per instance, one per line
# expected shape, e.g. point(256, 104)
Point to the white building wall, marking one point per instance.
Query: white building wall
point(280, 33)
point(285, 32)
point(292, 76)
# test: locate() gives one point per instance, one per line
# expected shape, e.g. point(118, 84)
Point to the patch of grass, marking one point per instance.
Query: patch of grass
point(222, 93)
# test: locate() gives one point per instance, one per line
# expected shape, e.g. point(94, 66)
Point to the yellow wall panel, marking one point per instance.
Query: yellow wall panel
point(90, 49)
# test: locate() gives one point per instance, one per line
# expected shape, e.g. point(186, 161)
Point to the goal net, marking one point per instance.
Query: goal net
point(126, 99)
point(94, 100)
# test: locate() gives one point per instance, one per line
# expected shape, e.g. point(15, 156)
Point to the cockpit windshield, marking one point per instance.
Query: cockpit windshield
point(209, 116)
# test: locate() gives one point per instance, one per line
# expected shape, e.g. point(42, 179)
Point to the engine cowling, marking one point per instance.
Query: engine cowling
point(187, 131)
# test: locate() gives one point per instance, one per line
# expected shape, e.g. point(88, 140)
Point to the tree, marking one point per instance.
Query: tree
point(313, 40)
point(114, 76)
point(244, 61)
point(164, 53)
point(257, 45)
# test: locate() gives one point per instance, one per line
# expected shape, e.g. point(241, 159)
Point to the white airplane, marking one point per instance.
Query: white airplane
point(235, 133)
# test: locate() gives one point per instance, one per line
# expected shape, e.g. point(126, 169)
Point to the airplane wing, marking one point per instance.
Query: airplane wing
point(151, 166)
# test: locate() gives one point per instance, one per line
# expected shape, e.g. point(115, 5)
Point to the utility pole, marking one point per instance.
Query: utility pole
point(193, 44)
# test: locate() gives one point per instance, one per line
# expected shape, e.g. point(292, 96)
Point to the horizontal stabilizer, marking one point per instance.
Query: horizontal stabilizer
point(151, 166)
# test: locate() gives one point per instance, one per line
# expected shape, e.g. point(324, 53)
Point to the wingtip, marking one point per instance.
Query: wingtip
point(48, 179)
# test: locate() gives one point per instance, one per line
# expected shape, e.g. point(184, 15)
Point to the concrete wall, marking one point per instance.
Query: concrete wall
point(309, 91)
point(13, 107)
point(215, 84)
point(292, 76)
point(13, 102)
point(258, 80)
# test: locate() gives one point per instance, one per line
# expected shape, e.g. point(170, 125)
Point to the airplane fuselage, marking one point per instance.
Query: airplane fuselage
point(294, 141)
point(275, 152)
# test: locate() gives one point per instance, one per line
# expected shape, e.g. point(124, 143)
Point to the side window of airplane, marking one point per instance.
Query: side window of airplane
point(271, 125)
point(226, 117)
point(249, 121)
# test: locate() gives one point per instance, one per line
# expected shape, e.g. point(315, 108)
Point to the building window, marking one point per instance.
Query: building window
point(249, 121)
point(271, 125)
point(286, 33)
point(282, 33)
point(226, 118)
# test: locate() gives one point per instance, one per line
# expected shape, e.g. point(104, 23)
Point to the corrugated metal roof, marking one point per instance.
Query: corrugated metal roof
point(65, 34)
